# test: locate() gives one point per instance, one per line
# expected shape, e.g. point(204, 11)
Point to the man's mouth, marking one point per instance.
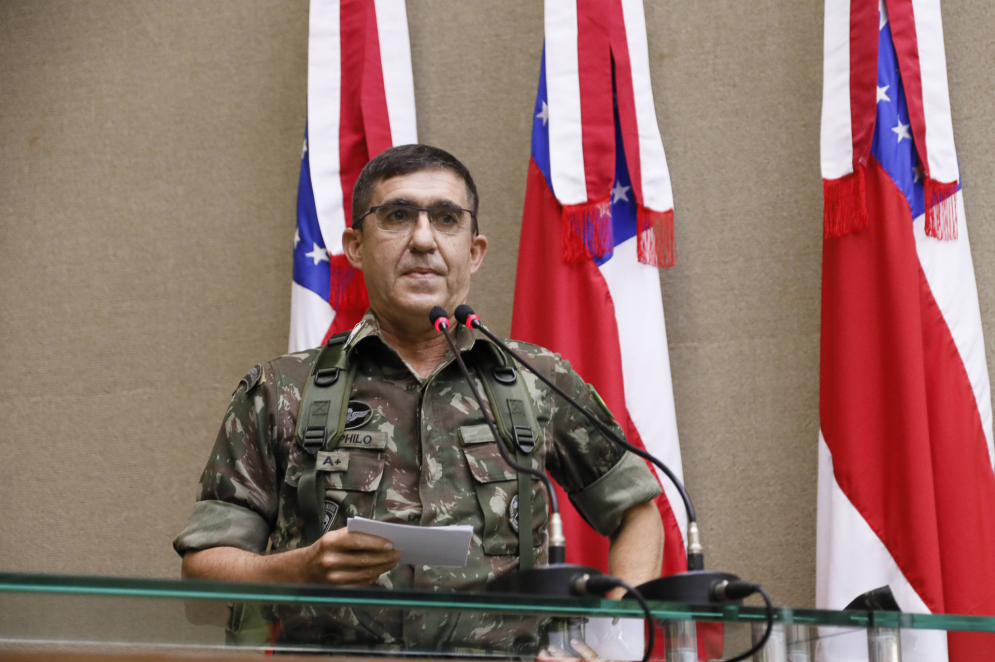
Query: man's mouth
point(422, 273)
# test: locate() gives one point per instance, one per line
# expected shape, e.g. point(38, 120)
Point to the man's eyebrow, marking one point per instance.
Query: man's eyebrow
point(442, 202)
point(398, 201)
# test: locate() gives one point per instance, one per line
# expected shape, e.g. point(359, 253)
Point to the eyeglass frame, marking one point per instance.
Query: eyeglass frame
point(427, 210)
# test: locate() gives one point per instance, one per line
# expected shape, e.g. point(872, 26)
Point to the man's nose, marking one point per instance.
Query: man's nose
point(423, 236)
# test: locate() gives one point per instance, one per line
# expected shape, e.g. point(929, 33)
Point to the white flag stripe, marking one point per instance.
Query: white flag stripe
point(642, 336)
point(851, 560)
point(566, 142)
point(310, 317)
point(940, 148)
point(395, 60)
point(655, 175)
point(949, 271)
point(836, 147)
point(324, 89)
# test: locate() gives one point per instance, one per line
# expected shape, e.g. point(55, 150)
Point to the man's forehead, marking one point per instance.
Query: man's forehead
point(423, 187)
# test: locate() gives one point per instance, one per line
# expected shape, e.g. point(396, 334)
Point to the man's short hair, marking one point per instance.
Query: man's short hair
point(404, 160)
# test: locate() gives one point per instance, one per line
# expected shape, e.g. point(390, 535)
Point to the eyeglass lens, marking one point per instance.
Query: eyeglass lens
point(402, 218)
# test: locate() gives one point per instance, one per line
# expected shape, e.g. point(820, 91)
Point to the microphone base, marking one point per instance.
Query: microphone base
point(555, 580)
point(695, 587)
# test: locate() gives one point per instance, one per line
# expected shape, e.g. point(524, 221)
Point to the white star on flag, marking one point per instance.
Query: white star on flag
point(620, 192)
point(304, 150)
point(882, 14)
point(916, 173)
point(544, 114)
point(883, 94)
point(297, 237)
point(318, 254)
point(902, 130)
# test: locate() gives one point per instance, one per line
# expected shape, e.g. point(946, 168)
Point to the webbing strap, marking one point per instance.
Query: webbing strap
point(320, 426)
point(525, 560)
point(516, 421)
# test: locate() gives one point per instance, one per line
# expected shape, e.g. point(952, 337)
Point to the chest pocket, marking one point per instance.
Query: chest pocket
point(351, 478)
point(496, 485)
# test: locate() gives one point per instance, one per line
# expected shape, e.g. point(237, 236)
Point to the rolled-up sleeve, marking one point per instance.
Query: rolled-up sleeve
point(627, 484)
point(602, 479)
point(222, 524)
point(237, 494)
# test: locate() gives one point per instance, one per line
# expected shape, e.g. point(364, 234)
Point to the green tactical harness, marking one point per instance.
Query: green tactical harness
point(324, 408)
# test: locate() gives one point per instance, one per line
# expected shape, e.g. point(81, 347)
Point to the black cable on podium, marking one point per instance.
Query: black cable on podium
point(697, 585)
point(558, 578)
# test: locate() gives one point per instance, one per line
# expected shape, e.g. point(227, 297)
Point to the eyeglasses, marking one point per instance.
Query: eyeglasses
point(404, 218)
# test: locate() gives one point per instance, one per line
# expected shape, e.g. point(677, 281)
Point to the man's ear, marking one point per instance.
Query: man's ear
point(478, 248)
point(352, 241)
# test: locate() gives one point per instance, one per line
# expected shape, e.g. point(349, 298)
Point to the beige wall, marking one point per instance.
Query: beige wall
point(149, 156)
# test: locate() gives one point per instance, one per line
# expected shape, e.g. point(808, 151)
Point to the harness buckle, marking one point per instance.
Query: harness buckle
point(525, 438)
point(314, 440)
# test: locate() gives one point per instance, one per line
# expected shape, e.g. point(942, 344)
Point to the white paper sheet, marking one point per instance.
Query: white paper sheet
point(440, 546)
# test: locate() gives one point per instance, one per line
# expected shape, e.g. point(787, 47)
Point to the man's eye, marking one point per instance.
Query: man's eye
point(448, 218)
point(400, 215)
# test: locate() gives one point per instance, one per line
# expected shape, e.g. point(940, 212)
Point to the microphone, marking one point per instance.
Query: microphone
point(697, 585)
point(557, 542)
point(558, 578)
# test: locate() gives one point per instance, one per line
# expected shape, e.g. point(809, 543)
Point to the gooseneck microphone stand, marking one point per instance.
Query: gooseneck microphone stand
point(697, 585)
point(558, 578)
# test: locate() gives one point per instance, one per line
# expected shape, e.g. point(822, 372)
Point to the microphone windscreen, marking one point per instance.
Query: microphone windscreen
point(437, 314)
point(463, 313)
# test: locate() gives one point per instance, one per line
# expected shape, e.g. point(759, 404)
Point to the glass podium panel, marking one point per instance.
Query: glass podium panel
point(67, 615)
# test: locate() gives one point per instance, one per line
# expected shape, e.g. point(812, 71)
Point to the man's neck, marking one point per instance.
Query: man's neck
point(423, 350)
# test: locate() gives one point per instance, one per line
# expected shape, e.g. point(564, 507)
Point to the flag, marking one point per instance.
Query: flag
point(906, 485)
point(597, 224)
point(361, 101)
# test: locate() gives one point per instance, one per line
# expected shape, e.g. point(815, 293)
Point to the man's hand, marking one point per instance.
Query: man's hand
point(339, 557)
point(349, 559)
point(553, 653)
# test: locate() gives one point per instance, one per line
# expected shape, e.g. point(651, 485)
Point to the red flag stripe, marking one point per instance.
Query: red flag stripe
point(863, 77)
point(596, 108)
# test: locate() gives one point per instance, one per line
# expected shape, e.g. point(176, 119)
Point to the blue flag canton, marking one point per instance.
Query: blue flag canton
point(311, 266)
point(623, 202)
point(893, 145)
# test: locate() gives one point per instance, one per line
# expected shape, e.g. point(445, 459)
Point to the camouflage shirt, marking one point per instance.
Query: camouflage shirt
point(423, 455)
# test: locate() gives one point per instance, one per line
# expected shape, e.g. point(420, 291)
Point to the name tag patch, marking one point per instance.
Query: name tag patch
point(332, 461)
point(475, 434)
point(372, 439)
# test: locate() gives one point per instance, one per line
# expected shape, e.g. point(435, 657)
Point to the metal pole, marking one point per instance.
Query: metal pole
point(884, 645)
point(775, 650)
point(681, 639)
point(799, 643)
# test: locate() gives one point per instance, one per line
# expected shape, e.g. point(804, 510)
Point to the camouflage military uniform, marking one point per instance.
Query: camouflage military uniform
point(423, 455)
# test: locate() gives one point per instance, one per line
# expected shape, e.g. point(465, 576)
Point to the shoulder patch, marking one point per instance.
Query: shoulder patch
point(251, 380)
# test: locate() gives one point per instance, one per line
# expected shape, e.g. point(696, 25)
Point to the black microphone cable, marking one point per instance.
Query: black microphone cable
point(557, 542)
point(696, 560)
point(737, 590)
point(725, 590)
point(601, 584)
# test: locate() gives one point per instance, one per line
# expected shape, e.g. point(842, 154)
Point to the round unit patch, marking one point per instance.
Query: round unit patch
point(359, 414)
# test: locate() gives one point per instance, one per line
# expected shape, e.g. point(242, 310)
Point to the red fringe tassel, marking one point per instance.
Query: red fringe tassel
point(941, 209)
point(844, 205)
point(348, 287)
point(587, 230)
point(655, 237)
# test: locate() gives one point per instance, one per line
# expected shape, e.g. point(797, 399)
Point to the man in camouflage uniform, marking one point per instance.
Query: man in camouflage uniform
point(417, 449)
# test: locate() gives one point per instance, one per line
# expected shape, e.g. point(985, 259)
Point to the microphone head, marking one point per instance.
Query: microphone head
point(465, 315)
point(439, 318)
